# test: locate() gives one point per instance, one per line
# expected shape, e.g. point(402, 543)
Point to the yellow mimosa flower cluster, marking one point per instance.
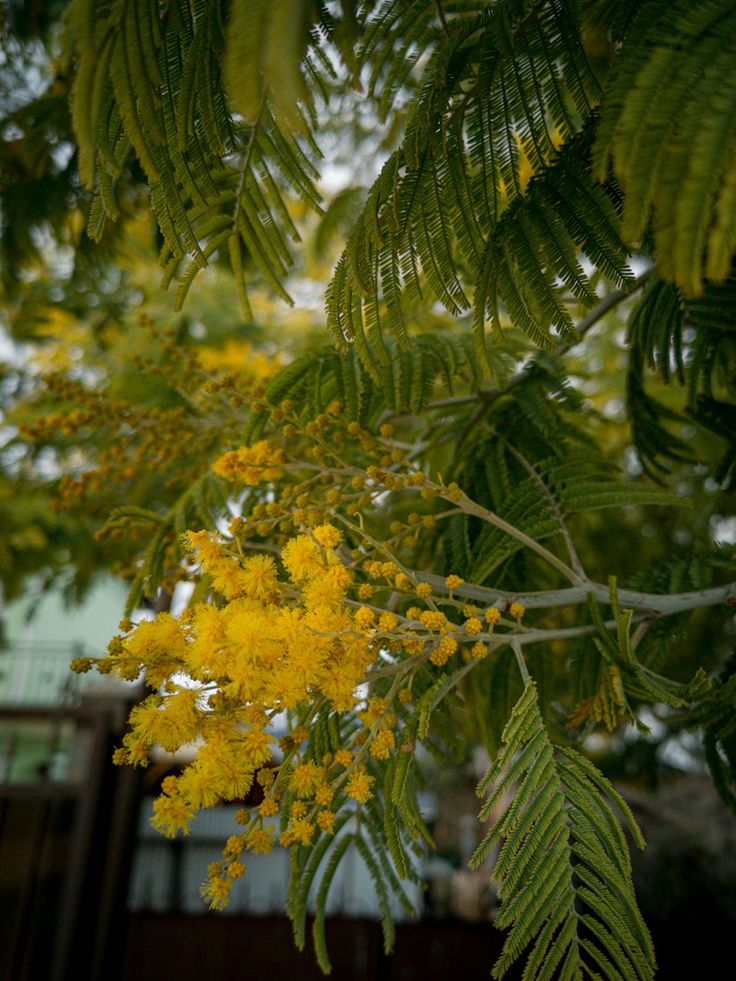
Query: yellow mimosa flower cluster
point(291, 634)
point(251, 464)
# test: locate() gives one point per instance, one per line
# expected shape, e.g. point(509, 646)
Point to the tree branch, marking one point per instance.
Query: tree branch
point(664, 604)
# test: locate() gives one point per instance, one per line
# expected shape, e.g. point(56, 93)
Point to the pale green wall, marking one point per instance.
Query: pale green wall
point(35, 666)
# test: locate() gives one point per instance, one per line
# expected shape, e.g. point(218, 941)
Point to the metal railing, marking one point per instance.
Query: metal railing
point(39, 674)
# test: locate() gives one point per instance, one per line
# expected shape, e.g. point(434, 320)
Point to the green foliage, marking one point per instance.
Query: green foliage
point(501, 91)
point(405, 383)
point(382, 838)
point(714, 712)
point(539, 503)
point(563, 868)
point(691, 341)
point(149, 80)
point(668, 128)
point(489, 202)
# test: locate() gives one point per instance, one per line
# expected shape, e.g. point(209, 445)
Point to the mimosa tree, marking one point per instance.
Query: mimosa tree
point(451, 512)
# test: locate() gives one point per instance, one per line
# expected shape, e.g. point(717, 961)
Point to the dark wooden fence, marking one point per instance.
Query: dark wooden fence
point(65, 836)
point(175, 947)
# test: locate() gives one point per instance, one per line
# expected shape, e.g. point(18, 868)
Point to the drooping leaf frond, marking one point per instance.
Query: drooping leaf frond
point(267, 43)
point(384, 836)
point(452, 212)
point(488, 205)
point(403, 384)
point(668, 129)
point(720, 418)
point(149, 85)
point(318, 926)
point(715, 713)
point(563, 869)
point(692, 340)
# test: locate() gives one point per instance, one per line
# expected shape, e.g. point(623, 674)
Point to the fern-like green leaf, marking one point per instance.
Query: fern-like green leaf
point(563, 871)
point(318, 927)
point(150, 81)
point(452, 209)
point(303, 876)
point(668, 129)
point(538, 504)
point(405, 383)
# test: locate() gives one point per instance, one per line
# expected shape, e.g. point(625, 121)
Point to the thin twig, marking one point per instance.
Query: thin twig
point(516, 648)
point(555, 508)
point(442, 18)
point(470, 507)
point(606, 304)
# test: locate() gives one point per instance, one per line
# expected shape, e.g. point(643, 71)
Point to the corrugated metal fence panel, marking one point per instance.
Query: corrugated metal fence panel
point(167, 875)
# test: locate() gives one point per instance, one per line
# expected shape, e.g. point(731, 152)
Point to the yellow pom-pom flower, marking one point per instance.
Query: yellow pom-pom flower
point(472, 626)
point(382, 745)
point(444, 651)
point(492, 616)
point(364, 618)
point(327, 535)
point(259, 578)
point(359, 786)
point(301, 558)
